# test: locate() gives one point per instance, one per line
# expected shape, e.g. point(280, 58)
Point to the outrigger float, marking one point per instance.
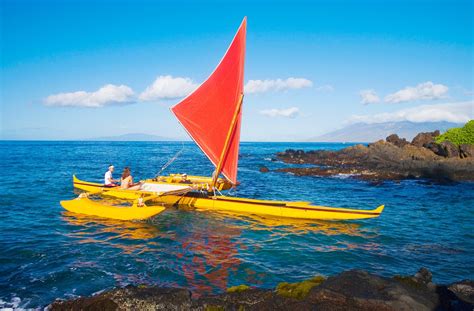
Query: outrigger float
point(211, 115)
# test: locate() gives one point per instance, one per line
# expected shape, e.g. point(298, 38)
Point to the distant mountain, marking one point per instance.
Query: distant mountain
point(134, 137)
point(362, 132)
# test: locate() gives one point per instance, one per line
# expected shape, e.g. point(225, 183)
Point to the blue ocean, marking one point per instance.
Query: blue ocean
point(48, 253)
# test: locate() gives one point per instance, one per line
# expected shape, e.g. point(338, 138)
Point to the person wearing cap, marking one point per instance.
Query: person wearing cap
point(184, 179)
point(109, 181)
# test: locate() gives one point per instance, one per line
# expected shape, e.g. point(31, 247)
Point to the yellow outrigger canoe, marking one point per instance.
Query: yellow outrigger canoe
point(211, 115)
point(204, 201)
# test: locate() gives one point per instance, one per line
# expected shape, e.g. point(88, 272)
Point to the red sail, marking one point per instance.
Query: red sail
point(212, 115)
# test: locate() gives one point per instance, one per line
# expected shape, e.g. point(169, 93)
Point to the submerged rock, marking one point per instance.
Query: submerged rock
point(264, 169)
point(350, 290)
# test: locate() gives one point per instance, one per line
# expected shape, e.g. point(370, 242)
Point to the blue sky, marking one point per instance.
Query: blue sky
point(346, 61)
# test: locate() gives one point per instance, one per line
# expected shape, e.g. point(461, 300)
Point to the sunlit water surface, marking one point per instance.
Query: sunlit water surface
point(48, 253)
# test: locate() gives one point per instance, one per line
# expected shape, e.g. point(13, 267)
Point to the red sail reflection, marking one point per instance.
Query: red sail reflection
point(214, 259)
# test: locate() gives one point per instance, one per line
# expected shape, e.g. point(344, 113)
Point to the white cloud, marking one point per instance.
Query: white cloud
point(167, 87)
point(369, 97)
point(262, 86)
point(291, 112)
point(458, 112)
point(423, 91)
point(468, 93)
point(325, 88)
point(107, 95)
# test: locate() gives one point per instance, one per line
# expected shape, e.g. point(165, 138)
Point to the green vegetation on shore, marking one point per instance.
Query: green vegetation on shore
point(298, 290)
point(459, 135)
point(238, 289)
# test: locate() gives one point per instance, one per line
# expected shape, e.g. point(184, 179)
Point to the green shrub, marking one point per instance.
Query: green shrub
point(298, 290)
point(459, 135)
point(238, 289)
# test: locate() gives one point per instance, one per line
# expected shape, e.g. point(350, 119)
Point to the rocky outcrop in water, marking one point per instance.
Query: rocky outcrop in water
point(350, 290)
point(397, 141)
point(392, 159)
point(425, 138)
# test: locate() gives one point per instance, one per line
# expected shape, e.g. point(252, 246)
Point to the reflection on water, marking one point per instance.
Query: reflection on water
point(138, 230)
point(297, 226)
point(214, 256)
point(111, 232)
point(207, 244)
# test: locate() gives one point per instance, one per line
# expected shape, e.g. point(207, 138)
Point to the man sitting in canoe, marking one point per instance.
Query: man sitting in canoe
point(109, 181)
point(126, 182)
point(184, 179)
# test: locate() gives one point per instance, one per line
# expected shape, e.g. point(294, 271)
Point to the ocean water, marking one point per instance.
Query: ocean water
point(48, 253)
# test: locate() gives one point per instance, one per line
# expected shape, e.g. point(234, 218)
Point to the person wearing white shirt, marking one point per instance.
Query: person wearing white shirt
point(109, 181)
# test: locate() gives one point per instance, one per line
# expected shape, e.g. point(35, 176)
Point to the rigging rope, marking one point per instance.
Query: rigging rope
point(170, 161)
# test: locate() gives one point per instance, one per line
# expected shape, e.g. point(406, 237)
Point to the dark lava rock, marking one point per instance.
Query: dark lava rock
point(383, 160)
point(463, 290)
point(436, 148)
point(397, 141)
point(264, 169)
point(131, 298)
point(423, 139)
point(450, 150)
point(360, 290)
point(466, 151)
point(424, 276)
point(351, 290)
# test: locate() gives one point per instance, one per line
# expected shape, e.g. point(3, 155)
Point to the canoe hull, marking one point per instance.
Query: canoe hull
point(201, 201)
point(86, 206)
point(276, 209)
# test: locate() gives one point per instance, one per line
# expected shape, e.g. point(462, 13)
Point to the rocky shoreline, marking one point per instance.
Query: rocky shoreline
point(390, 159)
point(350, 290)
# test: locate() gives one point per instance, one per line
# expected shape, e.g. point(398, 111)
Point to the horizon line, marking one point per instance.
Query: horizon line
point(173, 141)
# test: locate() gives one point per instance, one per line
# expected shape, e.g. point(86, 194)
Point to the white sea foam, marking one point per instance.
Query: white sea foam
point(15, 304)
point(344, 176)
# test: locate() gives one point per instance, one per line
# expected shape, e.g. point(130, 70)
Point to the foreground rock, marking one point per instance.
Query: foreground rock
point(393, 159)
point(351, 290)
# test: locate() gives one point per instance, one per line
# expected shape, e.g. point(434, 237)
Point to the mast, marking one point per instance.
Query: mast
point(227, 140)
